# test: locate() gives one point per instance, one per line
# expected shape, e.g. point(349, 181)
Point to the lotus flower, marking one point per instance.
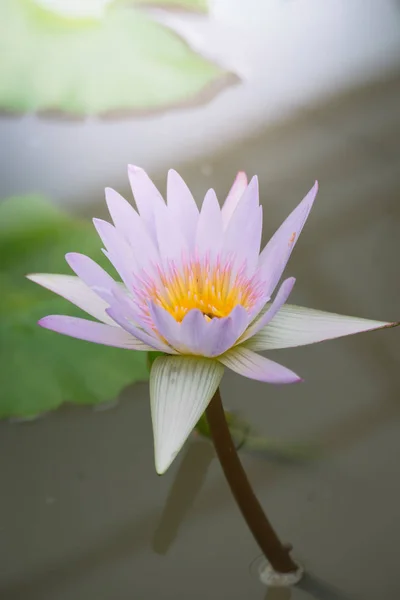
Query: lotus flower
point(195, 287)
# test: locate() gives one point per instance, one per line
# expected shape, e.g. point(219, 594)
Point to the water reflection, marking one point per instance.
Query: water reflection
point(315, 588)
point(278, 594)
point(187, 484)
point(320, 590)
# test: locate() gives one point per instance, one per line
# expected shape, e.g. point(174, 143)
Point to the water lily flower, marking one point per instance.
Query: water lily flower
point(195, 287)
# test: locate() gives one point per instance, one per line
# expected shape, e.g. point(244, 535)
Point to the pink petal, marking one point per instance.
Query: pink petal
point(252, 365)
point(148, 198)
point(274, 257)
point(182, 206)
point(209, 226)
point(298, 326)
point(93, 332)
point(268, 315)
point(236, 192)
point(76, 291)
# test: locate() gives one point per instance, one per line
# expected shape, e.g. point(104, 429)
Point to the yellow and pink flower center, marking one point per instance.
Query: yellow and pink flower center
point(213, 288)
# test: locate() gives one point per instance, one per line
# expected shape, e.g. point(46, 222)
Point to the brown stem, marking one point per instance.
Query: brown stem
point(276, 553)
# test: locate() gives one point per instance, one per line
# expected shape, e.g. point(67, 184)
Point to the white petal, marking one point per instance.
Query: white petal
point(76, 291)
point(298, 326)
point(181, 388)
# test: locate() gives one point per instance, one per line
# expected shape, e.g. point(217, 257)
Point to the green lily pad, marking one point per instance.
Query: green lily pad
point(42, 369)
point(124, 61)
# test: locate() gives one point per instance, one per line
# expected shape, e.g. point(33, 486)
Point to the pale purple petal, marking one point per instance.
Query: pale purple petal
point(298, 326)
point(236, 192)
point(194, 334)
point(268, 315)
point(91, 274)
point(181, 388)
point(231, 328)
point(274, 257)
point(242, 237)
point(148, 198)
point(93, 332)
point(252, 365)
point(209, 226)
point(76, 291)
point(118, 251)
point(211, 338)
point(120, 299)
point(171, 241)
point(165, 324)
point(202, 337)
point(182, 206)
point(151, 340)
point(132, 227)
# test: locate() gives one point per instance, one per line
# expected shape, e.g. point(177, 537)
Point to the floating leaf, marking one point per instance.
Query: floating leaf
point(41, 369)
point(124, 61)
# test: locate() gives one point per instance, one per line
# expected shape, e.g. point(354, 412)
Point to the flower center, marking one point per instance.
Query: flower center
point(214, 288)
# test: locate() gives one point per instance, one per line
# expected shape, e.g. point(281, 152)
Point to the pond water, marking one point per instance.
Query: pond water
point(84, 514)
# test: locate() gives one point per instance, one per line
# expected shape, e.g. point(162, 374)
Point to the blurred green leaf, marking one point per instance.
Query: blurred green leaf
point(151, 357)
point(124, 61)
point(42, 369)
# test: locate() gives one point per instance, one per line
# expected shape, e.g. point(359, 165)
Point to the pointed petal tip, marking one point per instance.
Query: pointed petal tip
point(288, 381)
point(162, 465)
point(390, 325)
point(134, 169)
point(44, 322)
point(71, 257)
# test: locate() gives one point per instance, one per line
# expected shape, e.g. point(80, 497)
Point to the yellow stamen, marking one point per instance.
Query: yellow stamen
point(210, 288)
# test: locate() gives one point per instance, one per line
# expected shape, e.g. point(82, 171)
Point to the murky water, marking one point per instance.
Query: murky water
point(83, 513)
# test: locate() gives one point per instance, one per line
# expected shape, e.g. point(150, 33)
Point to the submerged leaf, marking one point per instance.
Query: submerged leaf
point(41, 369)
point(123, 61)
point(246, 438)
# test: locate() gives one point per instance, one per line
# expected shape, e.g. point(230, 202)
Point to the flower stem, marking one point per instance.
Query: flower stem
point(275, 552)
